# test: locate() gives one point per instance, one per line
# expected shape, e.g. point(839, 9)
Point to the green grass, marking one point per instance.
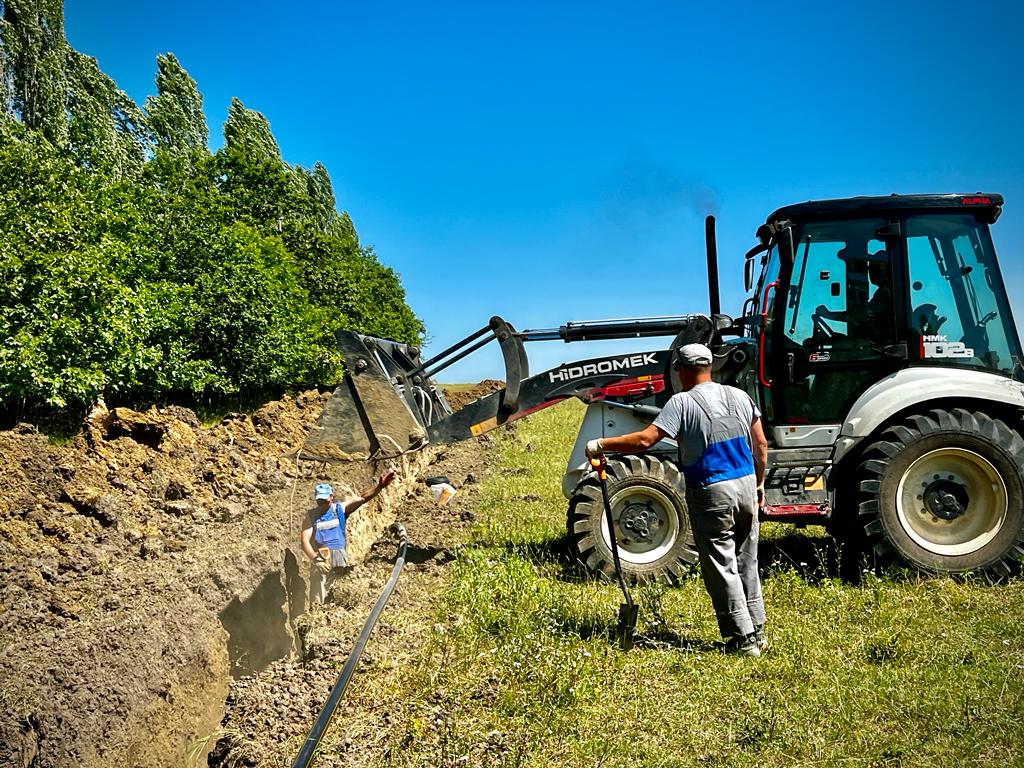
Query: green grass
point(522, 668)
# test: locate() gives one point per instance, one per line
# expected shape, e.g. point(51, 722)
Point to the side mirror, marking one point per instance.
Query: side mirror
point(748, 274)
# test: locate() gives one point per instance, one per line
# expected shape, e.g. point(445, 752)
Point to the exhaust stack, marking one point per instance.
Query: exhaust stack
point(712, 248)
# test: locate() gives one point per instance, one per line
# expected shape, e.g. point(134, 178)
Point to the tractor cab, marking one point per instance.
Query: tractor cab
point(852, 291)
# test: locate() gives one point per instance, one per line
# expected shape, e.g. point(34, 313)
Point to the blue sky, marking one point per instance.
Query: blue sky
point(554, 161)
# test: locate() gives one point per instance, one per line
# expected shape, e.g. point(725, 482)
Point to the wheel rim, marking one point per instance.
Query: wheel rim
point(646, 524)
point(951, 501)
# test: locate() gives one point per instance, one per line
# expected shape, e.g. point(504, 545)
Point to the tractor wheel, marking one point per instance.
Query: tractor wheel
point(652, 527)
point(945, 492)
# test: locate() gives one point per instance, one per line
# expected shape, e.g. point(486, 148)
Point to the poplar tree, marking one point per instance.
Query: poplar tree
point(63, 94)
point(34, 60)
point(175, 114)
point(247, 131)
point(321, 194)
point(106, 129)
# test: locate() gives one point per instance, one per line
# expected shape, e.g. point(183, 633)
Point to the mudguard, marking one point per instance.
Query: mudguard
point(921, 386)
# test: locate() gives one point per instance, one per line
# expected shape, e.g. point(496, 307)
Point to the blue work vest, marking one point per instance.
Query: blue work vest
point(728, 455)
point(329, 528)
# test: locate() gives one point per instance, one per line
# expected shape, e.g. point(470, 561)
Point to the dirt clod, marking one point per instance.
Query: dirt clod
point(178, 508)
point(151, 548)
point(229, 511)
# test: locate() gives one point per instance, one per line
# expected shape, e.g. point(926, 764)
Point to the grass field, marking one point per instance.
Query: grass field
point(522, 669)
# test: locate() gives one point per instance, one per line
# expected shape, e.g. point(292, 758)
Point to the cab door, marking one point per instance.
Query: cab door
point(834, 329)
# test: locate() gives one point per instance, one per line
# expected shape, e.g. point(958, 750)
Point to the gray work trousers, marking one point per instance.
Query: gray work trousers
point(320, 583)
point(725, 529)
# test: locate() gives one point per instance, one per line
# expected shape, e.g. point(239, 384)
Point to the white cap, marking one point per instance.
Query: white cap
point(693, 355)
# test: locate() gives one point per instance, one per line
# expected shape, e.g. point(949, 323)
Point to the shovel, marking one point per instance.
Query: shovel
point(628, 610)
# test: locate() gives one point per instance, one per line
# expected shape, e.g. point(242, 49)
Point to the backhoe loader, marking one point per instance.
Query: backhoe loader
point(877, 340)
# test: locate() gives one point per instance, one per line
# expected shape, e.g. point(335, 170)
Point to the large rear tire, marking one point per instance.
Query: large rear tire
point(945, 492)
point(652, 527)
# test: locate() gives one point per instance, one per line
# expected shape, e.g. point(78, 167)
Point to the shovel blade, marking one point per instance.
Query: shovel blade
point(627, 624)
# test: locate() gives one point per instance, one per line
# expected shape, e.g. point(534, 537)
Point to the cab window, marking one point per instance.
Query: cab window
point(838, 318)
point(840, 297)
point(958, 312)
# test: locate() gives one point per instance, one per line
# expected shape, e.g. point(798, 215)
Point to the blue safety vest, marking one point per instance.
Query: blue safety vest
point(728, 455)
point(329, 528)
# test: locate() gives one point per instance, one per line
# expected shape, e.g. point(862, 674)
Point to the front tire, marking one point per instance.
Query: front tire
point(652, 527)
point(945, 492)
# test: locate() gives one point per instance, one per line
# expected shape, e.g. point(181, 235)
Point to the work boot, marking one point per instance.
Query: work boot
point(761, 638)
point(742, 645)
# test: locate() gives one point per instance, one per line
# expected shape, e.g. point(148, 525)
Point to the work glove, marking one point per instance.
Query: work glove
point(760, 497)
point(323, 564)
point(593, 449)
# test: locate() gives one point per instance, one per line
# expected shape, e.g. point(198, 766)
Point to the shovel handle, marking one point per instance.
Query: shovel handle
point(628, 610)
point(600, 466)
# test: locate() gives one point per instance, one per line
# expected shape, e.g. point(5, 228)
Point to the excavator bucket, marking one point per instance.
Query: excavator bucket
point(382, 407)
point(389, 403)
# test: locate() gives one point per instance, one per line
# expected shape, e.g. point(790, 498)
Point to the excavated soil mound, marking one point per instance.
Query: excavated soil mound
point(460, 396)
point(144, 563)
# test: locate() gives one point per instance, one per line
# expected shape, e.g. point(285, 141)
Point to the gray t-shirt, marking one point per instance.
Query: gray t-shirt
point(682, 415)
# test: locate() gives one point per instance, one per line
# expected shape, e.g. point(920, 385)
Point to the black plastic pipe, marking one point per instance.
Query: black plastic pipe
point(305, 757)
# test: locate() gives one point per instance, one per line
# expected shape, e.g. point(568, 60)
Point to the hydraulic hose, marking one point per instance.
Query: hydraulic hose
point(305, 756)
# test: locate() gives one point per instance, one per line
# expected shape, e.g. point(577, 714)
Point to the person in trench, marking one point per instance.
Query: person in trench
point(323, 535)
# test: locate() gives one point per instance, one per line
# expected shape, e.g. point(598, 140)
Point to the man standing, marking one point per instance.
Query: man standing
point(722, 455)
point(323, 535)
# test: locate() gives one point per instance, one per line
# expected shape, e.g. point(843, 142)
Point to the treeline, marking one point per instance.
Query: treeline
point(137, 264)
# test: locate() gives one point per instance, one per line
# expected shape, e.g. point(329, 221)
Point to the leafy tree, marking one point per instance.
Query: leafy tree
point(106, 130)
point(254, 318)
point(63, 94)
point(324, 211)
point(175, 114)
point(185, 211)
point(257, 182)
point(313, 201)
point(378, 301)
point(34, 58)
point(355, 289)
point(135, 263)
point(248, 132)
point(69, 326)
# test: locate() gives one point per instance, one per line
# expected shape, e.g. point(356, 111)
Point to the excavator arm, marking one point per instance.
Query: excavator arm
point(389, 402)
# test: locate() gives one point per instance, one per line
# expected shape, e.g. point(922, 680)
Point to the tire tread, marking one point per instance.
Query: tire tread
point(585, 521)
point(900, 437)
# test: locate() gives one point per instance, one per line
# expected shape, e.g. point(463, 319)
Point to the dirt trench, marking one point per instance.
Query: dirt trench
point(269, 714)
point(149, 561)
